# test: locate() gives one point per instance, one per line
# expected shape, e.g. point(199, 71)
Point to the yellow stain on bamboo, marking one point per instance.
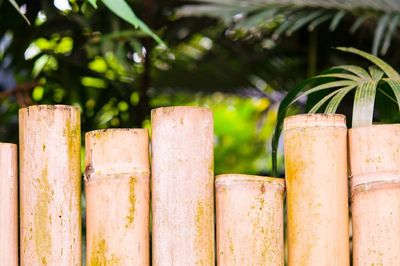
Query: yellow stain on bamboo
point(201, 241)
point(132, 201)
point(99, 255)
point(41, 214)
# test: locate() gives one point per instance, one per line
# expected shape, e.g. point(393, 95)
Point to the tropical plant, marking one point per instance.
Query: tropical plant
point(119, 8)
point(280, 17)
point(342, 80)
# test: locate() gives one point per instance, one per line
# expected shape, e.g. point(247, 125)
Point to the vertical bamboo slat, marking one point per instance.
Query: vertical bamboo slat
point(117, 189)
point(50, 185)
point(249, 220)
point(8, 205)
point(317, 196)
point(375, 189)
point(182, 186)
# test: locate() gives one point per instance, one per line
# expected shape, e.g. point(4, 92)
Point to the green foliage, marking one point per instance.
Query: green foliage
point(285, 17)
point(345, 79)
point(16, 6)
point(124, 11)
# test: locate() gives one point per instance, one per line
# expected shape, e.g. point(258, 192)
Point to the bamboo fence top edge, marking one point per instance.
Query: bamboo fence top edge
point(314, 121)
point(227, 178)
point(49, 107)
point(182, 108)
point(111, 130)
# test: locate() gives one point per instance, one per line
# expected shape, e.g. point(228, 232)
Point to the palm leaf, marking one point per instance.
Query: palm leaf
point(395, 85)
point(333, 105)
point(364, 101)
point(378, 36)
point(321, 102)
point(385, 67)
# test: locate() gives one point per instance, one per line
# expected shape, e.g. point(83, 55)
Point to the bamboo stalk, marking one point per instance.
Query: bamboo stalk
point(117, 185)
point(316, 183)
point(50, 185)
point(182, 186)
point(8, 205)
point(375, 190)
point(249, 220)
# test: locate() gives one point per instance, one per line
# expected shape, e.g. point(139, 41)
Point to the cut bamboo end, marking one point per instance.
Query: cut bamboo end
point(50, 185)
point(117, 197)
point(249, 213)
point(374, 159)
point(374, 154)
point(314, 120)
point(102, 158)
point(182, 186)
point(8, 205)
point(315, 148)
point(226, 179)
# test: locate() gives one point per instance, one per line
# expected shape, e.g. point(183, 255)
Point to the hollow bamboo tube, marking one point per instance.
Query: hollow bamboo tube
point(375, 190)
point(50, 185)
point(249, 220)
point(315, 149)
point(117, 186)
point(8, 205)
point(182, 186)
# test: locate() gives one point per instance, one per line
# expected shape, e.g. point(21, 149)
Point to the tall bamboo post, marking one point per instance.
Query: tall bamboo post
point(182, 186)
point(50, 185)
point(8, 205)
point(316, 185)
point(117, 185)
point(249, 220)
point(375, 193)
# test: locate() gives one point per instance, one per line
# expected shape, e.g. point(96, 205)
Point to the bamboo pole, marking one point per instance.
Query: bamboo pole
point(317, 197)
point(182, 186)
point(249, 219)
point(375, 190)
point(117, 185)
point(8, 205)
point(50, 185)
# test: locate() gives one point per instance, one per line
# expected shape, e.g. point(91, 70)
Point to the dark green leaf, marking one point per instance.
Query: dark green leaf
point(389, 33)
point(336, 20)
point(124, 11)
point(337, 99)
point(382, 24)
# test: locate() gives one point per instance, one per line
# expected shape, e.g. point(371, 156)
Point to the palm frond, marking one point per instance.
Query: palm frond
point(289, 16)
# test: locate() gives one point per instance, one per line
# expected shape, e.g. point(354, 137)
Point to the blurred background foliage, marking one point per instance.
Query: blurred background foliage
point(237, 57)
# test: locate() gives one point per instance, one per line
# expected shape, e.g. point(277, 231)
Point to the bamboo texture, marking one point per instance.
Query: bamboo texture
point(182, 186)
point(8, 205)
point(50, 185)
point(117, 185)
point(315, 149)
point(375, 190)
point(249, 215)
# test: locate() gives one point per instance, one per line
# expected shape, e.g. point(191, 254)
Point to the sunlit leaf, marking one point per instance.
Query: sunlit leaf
point(124, 11)
point(325, 86)
point(93, 3)
point(364, 100)
point(359, 71)
point(15, 5)
point(385, 67)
